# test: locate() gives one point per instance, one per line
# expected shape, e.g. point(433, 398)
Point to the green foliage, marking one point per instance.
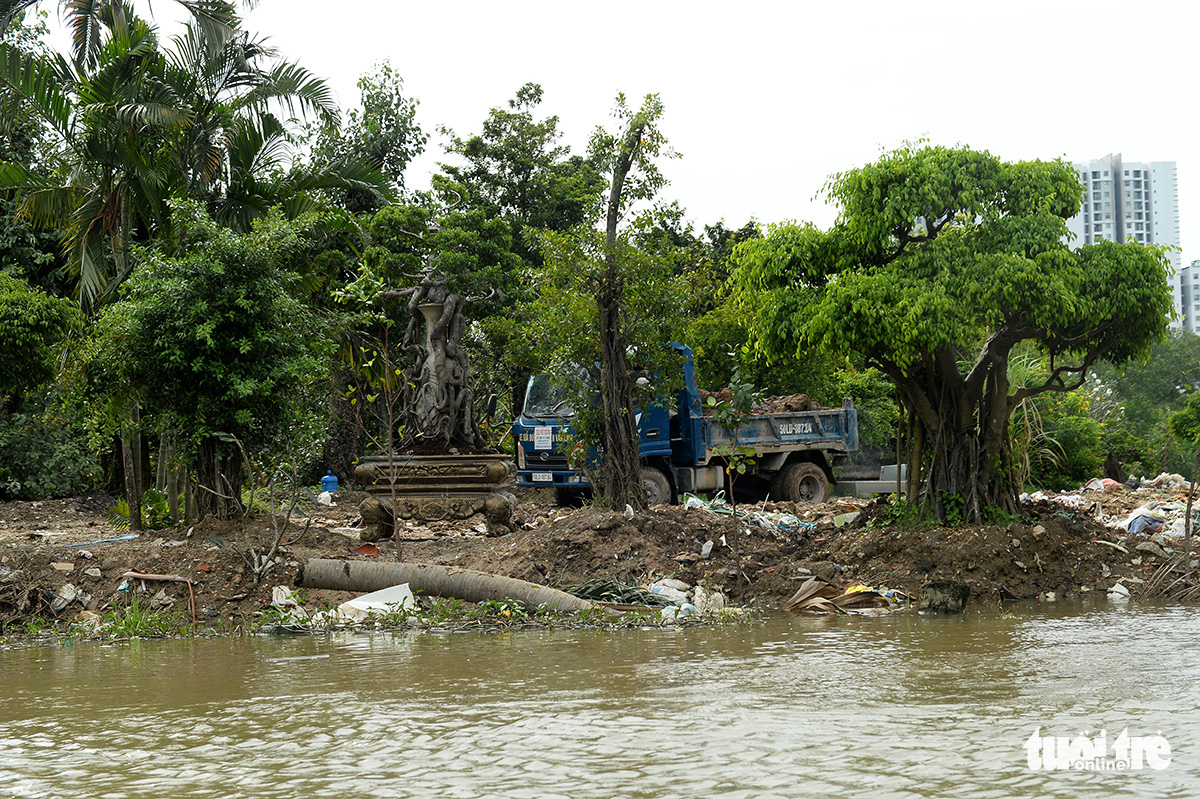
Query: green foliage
point(941, 262)
point(1185, 423)
point(155, 512)
point(953, 505)
point(728, 413)
point(516, 169)
point(138, 620)
point(31, 324)
point(43, 455)
point(898, 512)
point(382, 132)
point(217, 339)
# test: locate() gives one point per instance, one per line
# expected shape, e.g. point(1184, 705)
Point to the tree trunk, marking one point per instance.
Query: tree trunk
point(432, 580)
point(622, 467)
point(174, 476)
point(133, 496)
point(219, 475)
point(961, 449)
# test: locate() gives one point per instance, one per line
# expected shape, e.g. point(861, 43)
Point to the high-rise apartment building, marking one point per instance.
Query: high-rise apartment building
point(1128, 201)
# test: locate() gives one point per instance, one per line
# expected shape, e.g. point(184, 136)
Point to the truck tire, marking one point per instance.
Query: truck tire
point(657, 486)
point(800, 482)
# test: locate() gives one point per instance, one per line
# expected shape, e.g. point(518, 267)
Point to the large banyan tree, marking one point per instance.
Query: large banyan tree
point(940, 262)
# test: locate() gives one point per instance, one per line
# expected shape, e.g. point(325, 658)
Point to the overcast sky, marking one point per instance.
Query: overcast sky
point(765, 100)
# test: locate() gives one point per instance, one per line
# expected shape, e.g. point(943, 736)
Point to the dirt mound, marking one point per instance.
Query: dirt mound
point(1055, 548)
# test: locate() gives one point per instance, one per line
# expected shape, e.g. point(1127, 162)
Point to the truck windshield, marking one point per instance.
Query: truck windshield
point(546, 397)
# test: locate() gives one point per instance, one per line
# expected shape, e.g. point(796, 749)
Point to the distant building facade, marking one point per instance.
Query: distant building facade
point(1189, 297)
point(1137, 201)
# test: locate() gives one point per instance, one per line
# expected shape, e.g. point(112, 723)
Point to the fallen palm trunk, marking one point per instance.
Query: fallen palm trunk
point(432, 580)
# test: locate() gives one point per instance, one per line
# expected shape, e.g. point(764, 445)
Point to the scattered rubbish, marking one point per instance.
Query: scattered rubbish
point(101, 541)
point(65, 596)
point(816, 595)
point(673, 612)
point(841, 520)
point(93, 572)
point(217, 542)
point(295, 657)
point(134, 574)
point(1115, 546)
point(369, 550)
point(289, 609)
point(676, 592)
point(708, 601)
point(1118, 593)
point(1154, 549)
point(628, 511)
point(329, 483)
point(62, 566)
point(1102, 484)
point(326, 498)
point(396, 599)
point(432, 580)
point(707, 549)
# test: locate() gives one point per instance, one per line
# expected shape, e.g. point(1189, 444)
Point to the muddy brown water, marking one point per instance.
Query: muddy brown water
point(899, 706)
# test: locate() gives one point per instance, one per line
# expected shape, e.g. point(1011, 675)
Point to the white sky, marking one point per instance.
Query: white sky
point(765, 100)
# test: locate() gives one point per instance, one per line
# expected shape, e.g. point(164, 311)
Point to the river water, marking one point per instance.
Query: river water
point(898, 706)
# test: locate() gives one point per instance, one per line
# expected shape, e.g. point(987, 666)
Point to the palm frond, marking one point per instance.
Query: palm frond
point(40, 80)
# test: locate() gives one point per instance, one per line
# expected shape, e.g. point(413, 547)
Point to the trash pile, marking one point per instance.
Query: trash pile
point(850, 508)
point(1166, 515)
point(820, 596)
point(686, 600)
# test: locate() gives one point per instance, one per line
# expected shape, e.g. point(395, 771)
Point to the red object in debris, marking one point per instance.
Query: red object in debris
point(204, 567)
point(367, 549)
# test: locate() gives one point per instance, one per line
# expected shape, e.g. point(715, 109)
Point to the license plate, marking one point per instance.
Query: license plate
point(543, 477)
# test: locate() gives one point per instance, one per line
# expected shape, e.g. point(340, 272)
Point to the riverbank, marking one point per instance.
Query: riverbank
point(61, 558)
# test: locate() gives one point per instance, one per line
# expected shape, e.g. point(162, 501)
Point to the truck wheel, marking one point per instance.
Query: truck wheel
point(657, 486)
point(800, 482)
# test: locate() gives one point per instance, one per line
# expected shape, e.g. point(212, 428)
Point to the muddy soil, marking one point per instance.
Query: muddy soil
point(1053, 548)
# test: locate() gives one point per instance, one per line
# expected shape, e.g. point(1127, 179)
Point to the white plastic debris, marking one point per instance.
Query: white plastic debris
point(707, 549)
point(708, 601)
point(1118, 593)
point(325, 498)
point(674, 591)
point(387, 600)
point(628, 511)
point(675, 611)
point(65, 596)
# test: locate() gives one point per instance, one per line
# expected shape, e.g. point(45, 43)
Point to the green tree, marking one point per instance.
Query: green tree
point(139, 125)
point(31, 325)
point(219, 340)
point(382, 132)
point(517, 169)
point(608, 302)
point(941, 262)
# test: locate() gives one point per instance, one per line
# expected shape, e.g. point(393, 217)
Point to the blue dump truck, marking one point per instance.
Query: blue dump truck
point(679, 446)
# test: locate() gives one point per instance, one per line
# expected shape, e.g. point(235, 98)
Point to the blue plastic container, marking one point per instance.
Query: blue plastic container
point(329, 482)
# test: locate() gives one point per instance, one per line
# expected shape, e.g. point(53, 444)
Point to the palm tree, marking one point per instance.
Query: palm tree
point(139, 125)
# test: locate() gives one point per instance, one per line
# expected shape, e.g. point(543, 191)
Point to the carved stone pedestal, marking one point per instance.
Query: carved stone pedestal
point(435, 487)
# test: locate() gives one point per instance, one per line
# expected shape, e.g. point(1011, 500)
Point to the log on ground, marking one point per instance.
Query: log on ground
point(432, 580)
